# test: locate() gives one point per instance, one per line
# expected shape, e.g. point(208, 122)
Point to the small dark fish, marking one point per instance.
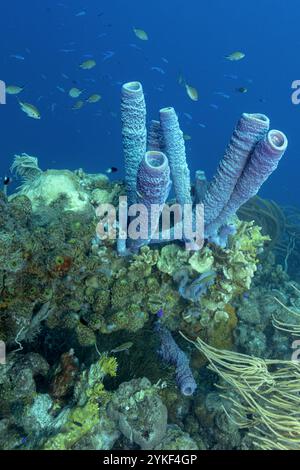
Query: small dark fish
point(160, 313)
point(112, 169)
point(241, 89)
point(7, 180)
point(77, 423)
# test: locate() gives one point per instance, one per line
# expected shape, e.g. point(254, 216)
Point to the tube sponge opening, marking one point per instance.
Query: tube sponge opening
point(156, 159)
point(277, 140)
point(153, 179)
point(132, 87)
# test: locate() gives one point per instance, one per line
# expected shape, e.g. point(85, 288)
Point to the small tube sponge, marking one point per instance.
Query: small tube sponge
point(249, 130)
point(155, 137)
point(171, 353)
point(263, 161)
point(175, 151)
point(133, 116)
point(153, 187)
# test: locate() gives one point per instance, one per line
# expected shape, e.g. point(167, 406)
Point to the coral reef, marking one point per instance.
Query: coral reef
point(68, 301)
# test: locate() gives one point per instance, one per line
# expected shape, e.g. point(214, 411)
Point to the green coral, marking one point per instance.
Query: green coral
point(202, 261)
point(92, 399)
point(171, 258)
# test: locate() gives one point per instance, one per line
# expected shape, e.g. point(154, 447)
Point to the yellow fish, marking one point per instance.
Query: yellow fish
point(187, 137)
point(30, 110)
point(192, 92)
point(14, 89)
point(78, 105)
point(88, 64)
point(141, 34)
point(235, 56)
point(75, 92)
point(94, 99)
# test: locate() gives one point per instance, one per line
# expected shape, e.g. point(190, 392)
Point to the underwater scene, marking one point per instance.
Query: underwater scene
point(149, 225)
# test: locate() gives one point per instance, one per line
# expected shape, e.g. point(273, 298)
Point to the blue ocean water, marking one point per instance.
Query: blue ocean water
point(44, 42)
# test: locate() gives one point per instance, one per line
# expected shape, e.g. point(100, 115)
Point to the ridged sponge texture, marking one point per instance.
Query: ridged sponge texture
point(175, 151)
point(250, 129)
point(263, 161)
point(134, 133)
point(153, 187)
point(155, 137)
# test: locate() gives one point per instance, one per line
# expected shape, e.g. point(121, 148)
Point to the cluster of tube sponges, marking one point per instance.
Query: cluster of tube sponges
point(152, 161)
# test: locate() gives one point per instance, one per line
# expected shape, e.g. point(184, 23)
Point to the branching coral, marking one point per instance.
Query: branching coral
point(289, 327)
point(26, 167)
point(263, 395)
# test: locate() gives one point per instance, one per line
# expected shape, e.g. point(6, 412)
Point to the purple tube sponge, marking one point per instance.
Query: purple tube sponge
point(249, 130)
point(263, 161)
point(155, 137)
point(153, 187)
point(175, 151)
point(133, 116)
point(171, 353)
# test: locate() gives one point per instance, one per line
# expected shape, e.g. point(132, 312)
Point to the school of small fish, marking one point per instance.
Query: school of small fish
point(77, 95)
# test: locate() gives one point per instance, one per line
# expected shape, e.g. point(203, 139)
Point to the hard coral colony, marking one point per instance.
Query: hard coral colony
point(71, 295)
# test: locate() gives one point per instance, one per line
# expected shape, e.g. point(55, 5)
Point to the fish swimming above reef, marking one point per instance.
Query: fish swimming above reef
point(141, 34)
point(75, 92)
point(78, 105)
point(6, 182)
point(112, 169)
point(30, 110)
point(14, 89)
point(192, 92)
point(235, 56)
point(88, 64)
point(94, 98)
point(241, 89)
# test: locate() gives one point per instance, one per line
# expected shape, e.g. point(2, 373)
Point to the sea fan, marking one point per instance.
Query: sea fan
point(26, 167)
